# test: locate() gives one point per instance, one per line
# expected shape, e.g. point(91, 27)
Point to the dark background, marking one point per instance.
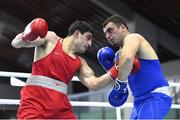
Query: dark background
point(16, 14)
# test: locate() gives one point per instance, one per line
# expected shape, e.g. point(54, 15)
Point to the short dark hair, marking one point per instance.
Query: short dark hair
point(82, 26)
point(116, 19)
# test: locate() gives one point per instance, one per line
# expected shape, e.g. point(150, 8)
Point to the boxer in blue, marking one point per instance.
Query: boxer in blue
point(149, 87)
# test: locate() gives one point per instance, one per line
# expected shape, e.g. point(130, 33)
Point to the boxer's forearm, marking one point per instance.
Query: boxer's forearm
point(99, 82)
point(125, 68)
point(17, 41)
point(92, 82)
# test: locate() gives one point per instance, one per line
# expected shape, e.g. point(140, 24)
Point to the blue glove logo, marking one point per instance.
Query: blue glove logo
point(118, 94)
point(117, 86)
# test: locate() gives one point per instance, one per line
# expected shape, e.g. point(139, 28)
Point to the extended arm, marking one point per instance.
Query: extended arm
point(88, 78)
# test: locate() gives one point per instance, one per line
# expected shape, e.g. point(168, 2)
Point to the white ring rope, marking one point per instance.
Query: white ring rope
point(81, 103)
point(14, 74)
point(25, 75)
point(76, 103)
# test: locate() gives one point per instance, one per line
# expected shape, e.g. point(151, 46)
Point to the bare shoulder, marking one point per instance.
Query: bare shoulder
point(83, 61)
point(52, 36)
point(48, 46)
point(134, 36)
point(145, 49)
point(50, 40)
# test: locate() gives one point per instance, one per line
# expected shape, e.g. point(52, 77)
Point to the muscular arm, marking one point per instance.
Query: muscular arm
point(17, 42)
point(128, 52)
point(88, 78)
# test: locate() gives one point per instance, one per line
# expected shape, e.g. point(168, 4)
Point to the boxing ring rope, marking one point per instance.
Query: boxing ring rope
point(76, 103)
point(25, 75)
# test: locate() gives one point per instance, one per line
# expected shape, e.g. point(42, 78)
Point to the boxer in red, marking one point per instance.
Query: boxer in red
point(56, 61)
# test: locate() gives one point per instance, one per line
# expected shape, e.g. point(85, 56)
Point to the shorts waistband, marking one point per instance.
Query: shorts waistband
point(164, 89)
point(48, 83)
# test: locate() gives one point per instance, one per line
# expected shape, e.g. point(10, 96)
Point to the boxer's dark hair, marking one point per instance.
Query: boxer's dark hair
point(117, 20)
point(82, 26)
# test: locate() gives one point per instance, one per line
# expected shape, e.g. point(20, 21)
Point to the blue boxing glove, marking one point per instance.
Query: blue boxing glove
point(116, 58)
point(118, 94)
point(105, 57)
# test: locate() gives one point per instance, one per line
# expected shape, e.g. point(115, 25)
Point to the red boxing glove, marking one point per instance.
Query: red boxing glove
point(136, 65)
point(115, 69)
point(37, 28)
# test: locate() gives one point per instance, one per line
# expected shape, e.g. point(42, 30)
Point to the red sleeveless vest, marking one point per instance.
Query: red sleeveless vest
point(57, 65)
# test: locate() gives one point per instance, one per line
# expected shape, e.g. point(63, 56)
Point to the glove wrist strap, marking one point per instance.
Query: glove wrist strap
point(121, 81)
point(113, 72)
